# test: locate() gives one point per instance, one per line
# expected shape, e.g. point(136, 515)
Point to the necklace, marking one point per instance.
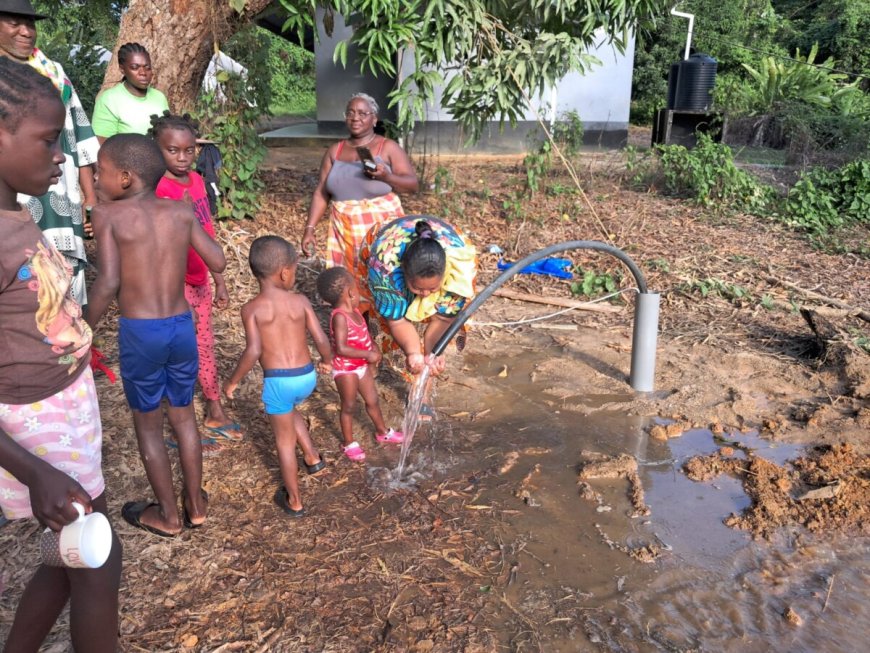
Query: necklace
point(369, 140)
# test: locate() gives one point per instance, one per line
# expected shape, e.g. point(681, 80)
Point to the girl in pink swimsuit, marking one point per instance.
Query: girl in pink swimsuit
point(354, 361)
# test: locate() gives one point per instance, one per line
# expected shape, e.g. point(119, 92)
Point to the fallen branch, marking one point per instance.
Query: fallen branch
point(852, 310)
point(556, 301)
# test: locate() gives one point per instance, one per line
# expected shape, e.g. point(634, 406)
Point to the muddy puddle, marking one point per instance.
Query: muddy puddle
point(596, 563)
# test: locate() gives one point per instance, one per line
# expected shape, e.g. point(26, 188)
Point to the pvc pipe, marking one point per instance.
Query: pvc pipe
point(691, 18)
point(649, 314)
point(643, 341)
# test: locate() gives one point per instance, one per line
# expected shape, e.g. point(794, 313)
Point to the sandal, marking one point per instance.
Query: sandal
point(281, 500)
point(355, 452)
point(316, 467)
point(427, 413)
point(391, 437)
point(210, 446)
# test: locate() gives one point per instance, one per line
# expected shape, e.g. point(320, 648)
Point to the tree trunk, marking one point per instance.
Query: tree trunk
point(181, 36)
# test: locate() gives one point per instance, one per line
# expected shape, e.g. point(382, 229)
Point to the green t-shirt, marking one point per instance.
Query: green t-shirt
point(117, 111)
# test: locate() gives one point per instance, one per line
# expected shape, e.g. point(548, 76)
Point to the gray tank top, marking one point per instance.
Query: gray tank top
point(346, 180)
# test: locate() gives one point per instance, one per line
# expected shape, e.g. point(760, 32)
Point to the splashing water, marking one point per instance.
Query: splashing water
point(412, 417)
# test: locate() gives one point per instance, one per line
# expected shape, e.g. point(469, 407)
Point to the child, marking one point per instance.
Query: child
point(47, 459)
point(142, 244)
point(176, 136)
point(276, 322)
point(355, 359)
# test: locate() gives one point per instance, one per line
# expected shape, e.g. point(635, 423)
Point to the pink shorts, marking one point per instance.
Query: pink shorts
point(65, 431)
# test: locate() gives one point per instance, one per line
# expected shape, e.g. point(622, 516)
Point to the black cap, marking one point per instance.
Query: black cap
point(19, 8)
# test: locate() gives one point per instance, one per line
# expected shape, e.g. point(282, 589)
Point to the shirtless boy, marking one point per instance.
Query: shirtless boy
point(276, 323)
point(142, 246)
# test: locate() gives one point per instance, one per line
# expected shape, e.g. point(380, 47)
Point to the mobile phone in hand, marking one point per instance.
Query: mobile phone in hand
point(367, 159)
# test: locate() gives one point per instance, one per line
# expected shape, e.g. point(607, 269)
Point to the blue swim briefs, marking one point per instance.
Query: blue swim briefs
point(158, 359)
point(284, 389)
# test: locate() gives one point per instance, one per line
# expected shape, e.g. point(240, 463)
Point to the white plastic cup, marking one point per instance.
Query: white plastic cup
point(82, 544)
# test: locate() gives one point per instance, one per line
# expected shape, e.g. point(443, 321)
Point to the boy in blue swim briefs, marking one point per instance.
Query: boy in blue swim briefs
point(276, 324)
point(142, 245)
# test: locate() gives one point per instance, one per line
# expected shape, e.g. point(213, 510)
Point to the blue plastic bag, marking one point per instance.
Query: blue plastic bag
point(554, 267)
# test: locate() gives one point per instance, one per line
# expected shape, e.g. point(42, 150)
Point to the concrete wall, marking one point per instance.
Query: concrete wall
point(601, 97)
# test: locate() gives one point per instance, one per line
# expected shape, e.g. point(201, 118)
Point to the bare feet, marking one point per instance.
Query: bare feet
point(195, 510)
point(149, 517)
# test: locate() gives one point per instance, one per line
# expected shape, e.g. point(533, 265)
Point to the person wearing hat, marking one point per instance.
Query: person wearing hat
point(60, 213)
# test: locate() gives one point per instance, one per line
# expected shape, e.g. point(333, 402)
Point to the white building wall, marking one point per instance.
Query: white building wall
point(601, 96)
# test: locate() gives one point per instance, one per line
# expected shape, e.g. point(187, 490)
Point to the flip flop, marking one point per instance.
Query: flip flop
point(132, 514)
point(215, 449)
point(427, 413)
point(226, 431)
point(186, 516)
point(281, 499)
point(316, 467)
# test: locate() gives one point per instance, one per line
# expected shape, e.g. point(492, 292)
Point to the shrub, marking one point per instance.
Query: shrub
point(707, 174)
point(824, 200)
point(231, 121)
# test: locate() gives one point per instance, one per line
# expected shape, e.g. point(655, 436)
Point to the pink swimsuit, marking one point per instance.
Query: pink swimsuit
point(357, 337)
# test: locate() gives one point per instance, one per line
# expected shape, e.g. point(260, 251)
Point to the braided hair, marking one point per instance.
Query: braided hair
point(424, 256)
point(21, 87)
point(332, 282)
point(128, 49)
point(171, 121)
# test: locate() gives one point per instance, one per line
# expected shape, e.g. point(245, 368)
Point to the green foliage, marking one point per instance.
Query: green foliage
point(825, 200)
point(514, 206)
point(566, 135)
point(498, 53)
point(839, 27)
point(711, 286)
point(594, 283)
point(537, 164)
point(231, 121)
point(73, 39)
point(707, 175)
point(801, 80)
point(721, 30)
point(280, 73)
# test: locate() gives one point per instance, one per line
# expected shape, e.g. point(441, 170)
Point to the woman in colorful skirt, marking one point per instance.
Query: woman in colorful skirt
point(418, 269)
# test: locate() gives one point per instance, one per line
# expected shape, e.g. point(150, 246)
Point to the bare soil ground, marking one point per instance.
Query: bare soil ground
point(405, 571)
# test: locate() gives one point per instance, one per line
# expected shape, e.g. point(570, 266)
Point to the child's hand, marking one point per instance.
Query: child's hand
point(415, 363)
point(229, 389)
point(51, 497)
point(374, 357)
point(437, 363)
point(324, 367)
point(221, 296)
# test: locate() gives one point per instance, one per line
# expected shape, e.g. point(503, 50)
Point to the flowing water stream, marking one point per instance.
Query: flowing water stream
point(708, 588)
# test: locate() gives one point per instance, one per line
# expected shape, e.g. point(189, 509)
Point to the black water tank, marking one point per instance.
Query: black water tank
point(690, 83)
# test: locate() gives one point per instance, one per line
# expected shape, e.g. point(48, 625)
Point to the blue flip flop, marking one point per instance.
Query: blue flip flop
point(225, 431)
point(211, 442)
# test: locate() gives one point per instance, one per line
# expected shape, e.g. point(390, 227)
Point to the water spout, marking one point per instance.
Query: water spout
point(645, 335)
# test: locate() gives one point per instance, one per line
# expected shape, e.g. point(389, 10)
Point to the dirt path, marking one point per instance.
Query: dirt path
point(409, 570)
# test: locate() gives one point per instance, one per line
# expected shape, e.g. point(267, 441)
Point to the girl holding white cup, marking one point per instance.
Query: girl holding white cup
point(50, 432)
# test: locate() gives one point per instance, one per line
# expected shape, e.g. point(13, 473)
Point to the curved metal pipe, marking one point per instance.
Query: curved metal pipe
point(646, 361)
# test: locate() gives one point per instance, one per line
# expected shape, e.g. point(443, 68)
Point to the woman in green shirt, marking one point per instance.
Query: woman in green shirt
point(126, 108)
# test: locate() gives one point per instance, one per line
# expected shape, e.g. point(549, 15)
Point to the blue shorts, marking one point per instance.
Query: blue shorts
point(285, 389)
point(158, 359)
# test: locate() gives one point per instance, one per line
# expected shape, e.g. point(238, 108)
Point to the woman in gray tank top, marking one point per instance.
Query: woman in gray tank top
point(358, 197)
